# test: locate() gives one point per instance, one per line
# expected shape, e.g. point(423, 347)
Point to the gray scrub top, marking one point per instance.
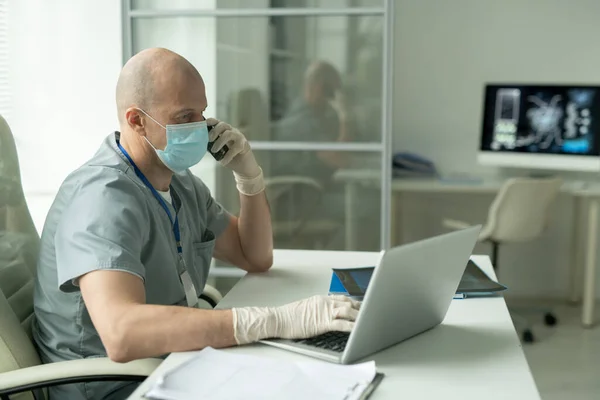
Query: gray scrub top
point(105, 218)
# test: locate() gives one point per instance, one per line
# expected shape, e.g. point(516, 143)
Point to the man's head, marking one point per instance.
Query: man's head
point(321, 82)
point(164, 85)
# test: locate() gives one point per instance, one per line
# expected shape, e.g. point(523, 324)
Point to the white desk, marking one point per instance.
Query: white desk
point(586, 198)
point(475, 353)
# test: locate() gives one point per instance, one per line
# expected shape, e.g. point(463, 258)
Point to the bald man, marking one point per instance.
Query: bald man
point(128, 242)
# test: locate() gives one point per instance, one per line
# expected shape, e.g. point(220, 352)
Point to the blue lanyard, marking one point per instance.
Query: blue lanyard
point(175, 223)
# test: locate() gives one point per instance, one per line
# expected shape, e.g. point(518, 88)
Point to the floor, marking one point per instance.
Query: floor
point(565, 360)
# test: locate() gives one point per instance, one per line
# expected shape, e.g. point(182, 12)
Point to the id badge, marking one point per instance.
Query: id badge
point(190, 291)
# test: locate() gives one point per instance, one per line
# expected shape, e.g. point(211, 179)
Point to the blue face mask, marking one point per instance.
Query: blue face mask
point(186, 144)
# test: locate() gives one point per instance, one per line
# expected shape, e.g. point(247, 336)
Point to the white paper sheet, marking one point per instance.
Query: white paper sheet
point(220, 375)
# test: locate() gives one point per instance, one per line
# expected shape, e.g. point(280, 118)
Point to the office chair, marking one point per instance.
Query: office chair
point(294, 202)
point(519, 213)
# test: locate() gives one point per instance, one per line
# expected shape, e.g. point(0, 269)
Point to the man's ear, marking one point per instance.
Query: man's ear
point(135, 120)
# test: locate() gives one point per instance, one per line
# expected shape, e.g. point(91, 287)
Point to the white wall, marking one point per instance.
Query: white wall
point(444, 53)
point(65, 57)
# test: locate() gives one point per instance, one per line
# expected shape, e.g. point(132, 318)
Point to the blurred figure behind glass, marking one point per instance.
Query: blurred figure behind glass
point(318, 115)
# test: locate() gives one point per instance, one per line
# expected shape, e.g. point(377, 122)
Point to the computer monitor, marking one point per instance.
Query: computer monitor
point(541, 126)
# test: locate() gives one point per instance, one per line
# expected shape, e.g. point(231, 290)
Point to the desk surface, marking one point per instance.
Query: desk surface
point(369, 177)
point(474, 353)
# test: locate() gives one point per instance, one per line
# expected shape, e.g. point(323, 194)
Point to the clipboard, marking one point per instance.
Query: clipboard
point(372, 386)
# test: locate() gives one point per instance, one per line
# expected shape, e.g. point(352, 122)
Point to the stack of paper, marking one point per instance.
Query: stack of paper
point(216, 374)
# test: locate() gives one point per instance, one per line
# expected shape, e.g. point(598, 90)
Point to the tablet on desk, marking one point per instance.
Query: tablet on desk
point(475, 281)
point(353, 282)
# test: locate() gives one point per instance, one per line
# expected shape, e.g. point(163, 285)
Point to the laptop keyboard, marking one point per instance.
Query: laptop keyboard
point(334, 341)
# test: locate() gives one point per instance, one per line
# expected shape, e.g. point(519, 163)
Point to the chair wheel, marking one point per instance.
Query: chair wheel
point(550, 319)
point(528, 336)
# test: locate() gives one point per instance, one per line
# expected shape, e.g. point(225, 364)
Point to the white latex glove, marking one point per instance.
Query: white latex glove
point(299, 320)
point(239, 158)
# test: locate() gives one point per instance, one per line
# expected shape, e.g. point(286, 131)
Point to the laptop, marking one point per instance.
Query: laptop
point(409, 293)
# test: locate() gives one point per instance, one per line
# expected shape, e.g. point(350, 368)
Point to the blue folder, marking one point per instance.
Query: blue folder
point(336, 286)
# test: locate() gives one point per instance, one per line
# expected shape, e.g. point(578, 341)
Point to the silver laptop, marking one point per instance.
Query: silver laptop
point(410, 292)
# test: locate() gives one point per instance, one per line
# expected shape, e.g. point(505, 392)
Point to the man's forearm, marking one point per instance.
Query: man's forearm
point(255, 230)
point(144, 330)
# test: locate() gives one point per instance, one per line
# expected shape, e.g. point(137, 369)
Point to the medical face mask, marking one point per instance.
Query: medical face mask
point(186, 144)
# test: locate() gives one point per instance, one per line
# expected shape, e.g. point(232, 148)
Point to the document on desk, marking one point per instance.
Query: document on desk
point(219, 375)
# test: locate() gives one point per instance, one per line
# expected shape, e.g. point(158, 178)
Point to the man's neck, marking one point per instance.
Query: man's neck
point(147, 161)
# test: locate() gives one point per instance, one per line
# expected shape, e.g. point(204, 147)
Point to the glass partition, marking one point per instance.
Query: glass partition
point(308, 82)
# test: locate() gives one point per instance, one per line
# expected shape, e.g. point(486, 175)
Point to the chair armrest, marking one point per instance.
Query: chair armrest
point(455, 224)
point(211, 295)
point(72, 371)
point(292, 180)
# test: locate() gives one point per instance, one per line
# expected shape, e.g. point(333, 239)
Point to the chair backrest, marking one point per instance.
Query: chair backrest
point(293, 198)
point(19, 245)
point(294, 202)
point(16, 348)
point(521, 209)
point(249, 112)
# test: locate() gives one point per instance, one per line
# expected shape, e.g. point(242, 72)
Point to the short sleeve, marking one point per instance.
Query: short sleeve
point(217, 218)
point(103, 227)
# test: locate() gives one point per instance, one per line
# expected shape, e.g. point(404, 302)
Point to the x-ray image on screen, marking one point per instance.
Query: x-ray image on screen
point(541, 119)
